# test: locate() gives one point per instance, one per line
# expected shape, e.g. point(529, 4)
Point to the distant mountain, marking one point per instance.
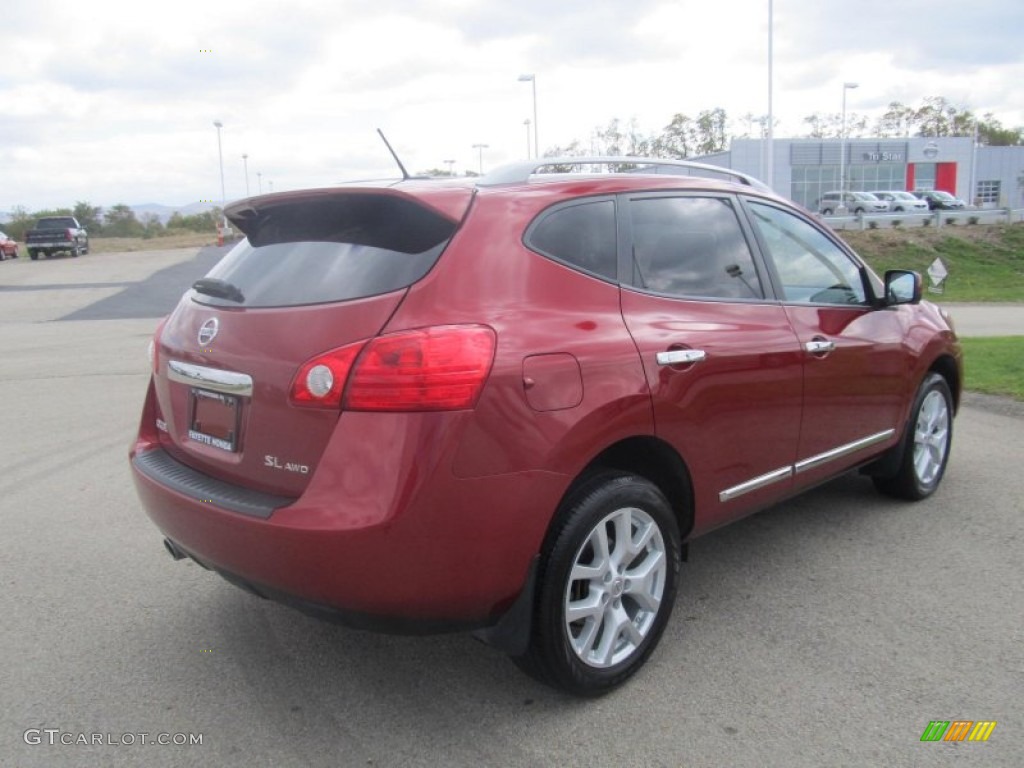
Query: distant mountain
point(164, 212)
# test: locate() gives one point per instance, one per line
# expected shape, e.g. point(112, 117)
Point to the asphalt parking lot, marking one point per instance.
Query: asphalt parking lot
point(827, 631)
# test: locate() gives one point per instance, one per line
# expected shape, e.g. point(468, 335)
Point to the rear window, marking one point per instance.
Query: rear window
point(328, 250)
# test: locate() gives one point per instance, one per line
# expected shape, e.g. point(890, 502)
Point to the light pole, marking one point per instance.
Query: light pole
point(768, 168)
point(259, 181)
point(220, 154)
point(481, 148)
point(451, 166)
point(532, 79)
point(842, 143)
point(526, 122)
point(245, 162)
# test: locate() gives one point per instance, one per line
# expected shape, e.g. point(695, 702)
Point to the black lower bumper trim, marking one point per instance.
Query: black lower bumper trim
point(160, 467)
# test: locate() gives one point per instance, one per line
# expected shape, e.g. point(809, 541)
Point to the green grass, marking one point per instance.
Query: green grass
point(995, 365)
point(985, 263)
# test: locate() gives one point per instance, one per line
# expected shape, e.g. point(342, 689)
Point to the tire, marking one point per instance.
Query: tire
point(858, 211)
point(85, 248)
point(597, 618)
point(33, 255)
point(826, 211)
point(74, 252)
point(926, 442)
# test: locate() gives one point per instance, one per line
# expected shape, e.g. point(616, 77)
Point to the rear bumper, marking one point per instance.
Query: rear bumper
point(434, 553)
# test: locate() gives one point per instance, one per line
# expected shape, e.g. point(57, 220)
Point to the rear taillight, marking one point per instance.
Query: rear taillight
point(153, 350)
point(320, 381)
point(431, 369)
point(67, 235)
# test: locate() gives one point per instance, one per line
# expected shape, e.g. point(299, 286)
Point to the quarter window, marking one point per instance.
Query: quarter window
point(580, 235)
point(691, 246)
point(812, 269)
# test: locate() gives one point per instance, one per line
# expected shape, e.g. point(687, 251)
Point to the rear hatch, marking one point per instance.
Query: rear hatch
point(318, 271)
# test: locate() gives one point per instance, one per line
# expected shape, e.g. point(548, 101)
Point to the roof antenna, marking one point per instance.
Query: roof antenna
point(405, 173)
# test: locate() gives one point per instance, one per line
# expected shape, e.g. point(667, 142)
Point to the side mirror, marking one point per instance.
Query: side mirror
point(902, 287)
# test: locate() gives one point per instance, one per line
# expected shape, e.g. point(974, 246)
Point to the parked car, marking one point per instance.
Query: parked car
point(507, 404)
point(902, 202)
point(8, 247)
point(941, 201)
point(854, 202)
point(56, 234)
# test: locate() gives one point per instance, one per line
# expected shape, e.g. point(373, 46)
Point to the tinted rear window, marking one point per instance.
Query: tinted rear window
point(328, 250)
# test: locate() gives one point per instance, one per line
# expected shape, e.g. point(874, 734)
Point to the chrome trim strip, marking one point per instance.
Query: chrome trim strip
point(843, 450)
point(228, 382)
point(758, 482)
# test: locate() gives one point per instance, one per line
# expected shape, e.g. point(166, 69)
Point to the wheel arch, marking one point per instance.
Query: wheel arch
point(947, 367)
point(650, 458)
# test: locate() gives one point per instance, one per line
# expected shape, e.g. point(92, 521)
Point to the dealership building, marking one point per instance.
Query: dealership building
point(804, 169)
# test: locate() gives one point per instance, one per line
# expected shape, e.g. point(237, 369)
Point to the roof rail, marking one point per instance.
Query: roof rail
point(520, 172)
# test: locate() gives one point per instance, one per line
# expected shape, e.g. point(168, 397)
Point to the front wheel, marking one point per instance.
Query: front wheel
point(607, 582)
point(926, 444)
point(33, 255)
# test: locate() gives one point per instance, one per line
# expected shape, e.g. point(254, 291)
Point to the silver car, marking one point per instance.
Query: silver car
point(902, 202)
point(854, 202)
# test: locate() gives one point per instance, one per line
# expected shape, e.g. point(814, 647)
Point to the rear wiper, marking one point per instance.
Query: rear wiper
point(222, 289)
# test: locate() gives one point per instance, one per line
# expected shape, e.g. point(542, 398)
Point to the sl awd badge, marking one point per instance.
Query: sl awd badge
point(208, 332)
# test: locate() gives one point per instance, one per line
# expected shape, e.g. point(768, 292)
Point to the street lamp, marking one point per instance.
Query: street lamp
point(526, 122)
point(245, 162)
point(220, 154)
point(532, 79)
point(451, 166)
point(481, 147)
point(842, 141)
point(259, 181)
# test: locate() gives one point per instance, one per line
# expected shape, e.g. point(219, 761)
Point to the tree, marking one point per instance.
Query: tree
point(120, 221)
point(710, 134)
point(896, 122)
point(677, 139)
point(89, 216)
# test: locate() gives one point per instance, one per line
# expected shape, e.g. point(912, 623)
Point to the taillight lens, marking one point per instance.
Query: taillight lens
point(431, 369)
point(442, 368)
point(320, 381)
point(153, 350)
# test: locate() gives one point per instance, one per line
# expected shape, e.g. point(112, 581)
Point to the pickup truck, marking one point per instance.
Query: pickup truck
point(56, 233)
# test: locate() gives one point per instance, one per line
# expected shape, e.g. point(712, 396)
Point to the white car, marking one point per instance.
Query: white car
point(902, 202)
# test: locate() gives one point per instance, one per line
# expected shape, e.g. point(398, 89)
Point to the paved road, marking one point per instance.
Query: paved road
point(826, 631)
point(987, 319)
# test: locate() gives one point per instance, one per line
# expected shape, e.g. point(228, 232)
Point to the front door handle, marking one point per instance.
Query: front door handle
point(820, 346)
point(681, 356)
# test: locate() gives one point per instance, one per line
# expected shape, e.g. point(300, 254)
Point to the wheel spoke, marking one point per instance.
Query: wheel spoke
point(584, 609)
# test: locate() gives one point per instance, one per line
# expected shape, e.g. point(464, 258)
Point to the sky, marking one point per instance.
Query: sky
point(115, 102)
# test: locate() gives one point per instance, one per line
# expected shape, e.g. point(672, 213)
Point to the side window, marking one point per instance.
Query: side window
point(691, 246)
point(812, 268)
point(581, 235)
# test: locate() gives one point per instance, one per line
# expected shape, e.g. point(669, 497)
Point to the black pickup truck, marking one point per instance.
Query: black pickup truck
point(56, 233)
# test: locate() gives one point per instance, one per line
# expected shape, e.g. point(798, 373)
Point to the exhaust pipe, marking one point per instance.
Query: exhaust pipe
point(173, 551)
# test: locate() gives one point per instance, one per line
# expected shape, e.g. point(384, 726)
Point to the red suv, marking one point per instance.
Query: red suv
point(505, 405)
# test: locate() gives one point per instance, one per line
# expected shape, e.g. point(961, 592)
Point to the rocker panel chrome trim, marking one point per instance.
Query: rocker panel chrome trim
point(843, 450)
point(758, 482)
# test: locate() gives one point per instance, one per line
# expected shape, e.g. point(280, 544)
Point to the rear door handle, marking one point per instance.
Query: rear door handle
point(681, 356)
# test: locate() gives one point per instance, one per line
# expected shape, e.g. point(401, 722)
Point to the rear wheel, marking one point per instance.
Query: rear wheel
point(607, 583)
point(33, 255)
point(926, 443)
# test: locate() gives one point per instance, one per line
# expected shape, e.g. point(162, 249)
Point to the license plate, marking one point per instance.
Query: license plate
point(214, 419)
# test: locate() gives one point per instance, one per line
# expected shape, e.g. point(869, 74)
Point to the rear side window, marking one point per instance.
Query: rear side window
point(691, 246)
point(581, 235)
point(327, 250)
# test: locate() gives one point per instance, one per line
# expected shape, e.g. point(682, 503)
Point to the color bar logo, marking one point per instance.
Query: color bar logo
point(958, 730)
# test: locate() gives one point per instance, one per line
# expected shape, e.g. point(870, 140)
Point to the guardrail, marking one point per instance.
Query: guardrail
point(966, 217)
